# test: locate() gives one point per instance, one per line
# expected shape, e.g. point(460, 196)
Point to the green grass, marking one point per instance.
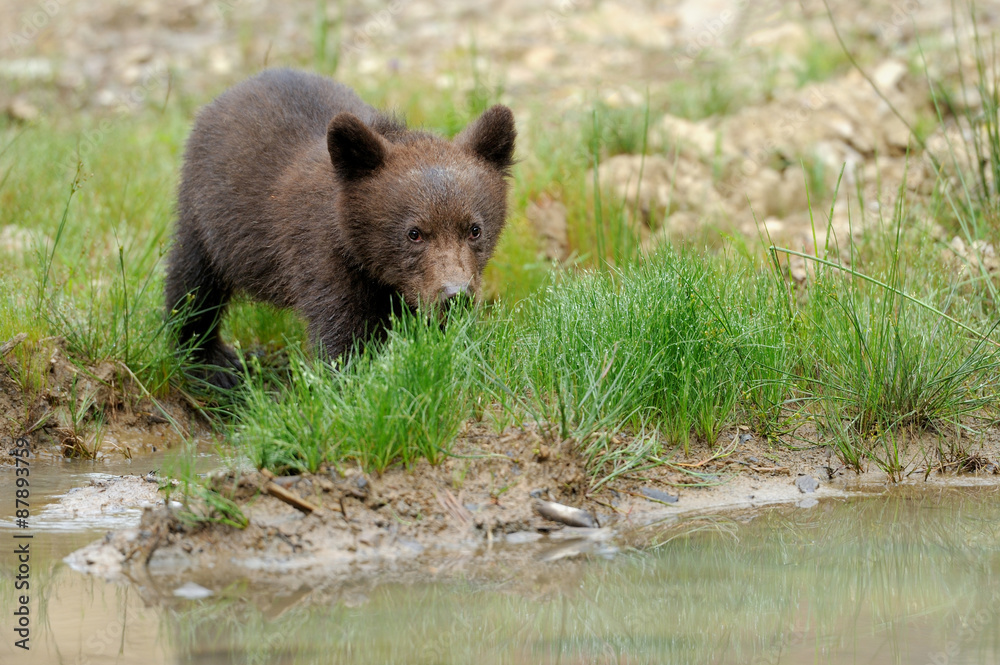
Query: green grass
point(400, 402)
point(666, 342)
point(882, 367)
point(670, 344)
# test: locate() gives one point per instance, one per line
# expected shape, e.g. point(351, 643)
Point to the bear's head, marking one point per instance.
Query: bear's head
point(419, 213)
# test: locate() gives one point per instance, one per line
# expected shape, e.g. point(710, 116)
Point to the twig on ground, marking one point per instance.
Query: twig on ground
point(719, 455)
point(12, 344)
point(292, 499)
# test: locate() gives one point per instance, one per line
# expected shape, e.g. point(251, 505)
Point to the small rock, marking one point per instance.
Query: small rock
point(27, 69)
point(655, 186)
point(540, 57)
point(522, 537)
point(537, 493)
point(659, 495)
point(695, 140)
point(806, 484)
point(888, 74)
point(682, 223)
point(14, 239)
point(746, 437)
point(192, 591)
point(22, 110)
point(785, 38)
point(557, 512)
point(797, 269)
point(106, 97)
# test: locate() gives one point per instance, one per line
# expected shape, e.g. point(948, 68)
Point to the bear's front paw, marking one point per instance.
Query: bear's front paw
point(221, 367)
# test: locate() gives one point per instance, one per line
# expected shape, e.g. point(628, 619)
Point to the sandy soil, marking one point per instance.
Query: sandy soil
point(478, 512)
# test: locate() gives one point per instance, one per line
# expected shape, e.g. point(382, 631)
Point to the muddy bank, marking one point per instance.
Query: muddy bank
point(479, 513)
point(67, 408)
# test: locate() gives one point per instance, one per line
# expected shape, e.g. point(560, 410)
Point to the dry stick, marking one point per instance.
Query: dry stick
point(12, 344)
point(720, 455)
point(607, 505)
point(292, 499)
point(453, 507)
point(901, 294)
point(771, 469)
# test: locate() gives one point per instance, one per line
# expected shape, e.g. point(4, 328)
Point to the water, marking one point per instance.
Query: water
point(911, 575)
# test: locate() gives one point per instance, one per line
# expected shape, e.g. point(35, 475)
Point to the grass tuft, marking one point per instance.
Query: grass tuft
point(391, 403)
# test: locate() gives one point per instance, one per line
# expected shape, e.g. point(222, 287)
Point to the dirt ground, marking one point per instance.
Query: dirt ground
point(518, 498)
point(58, 413)
point(483, 511)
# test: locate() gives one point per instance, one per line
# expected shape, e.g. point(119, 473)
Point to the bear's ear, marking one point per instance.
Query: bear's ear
point(491, 137)
point(355, 150)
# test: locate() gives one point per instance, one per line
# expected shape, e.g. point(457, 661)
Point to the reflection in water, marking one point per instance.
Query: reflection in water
point(900, 578)
point(76, 619)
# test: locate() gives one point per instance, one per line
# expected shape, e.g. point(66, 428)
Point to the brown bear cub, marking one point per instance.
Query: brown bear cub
point(297, 193)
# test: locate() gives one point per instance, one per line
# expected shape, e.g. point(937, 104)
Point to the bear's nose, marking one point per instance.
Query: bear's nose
point(449, 293)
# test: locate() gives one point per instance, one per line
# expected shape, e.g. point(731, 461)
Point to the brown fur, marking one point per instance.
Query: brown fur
point(297, 193)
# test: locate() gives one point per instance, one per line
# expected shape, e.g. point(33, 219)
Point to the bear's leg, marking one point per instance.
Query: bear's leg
point(195, 292)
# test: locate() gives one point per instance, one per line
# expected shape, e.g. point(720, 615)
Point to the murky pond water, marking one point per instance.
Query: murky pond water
point(908, 576)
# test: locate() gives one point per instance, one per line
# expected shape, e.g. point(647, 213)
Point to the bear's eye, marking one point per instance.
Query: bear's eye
point(475, 232)
point(414, 235)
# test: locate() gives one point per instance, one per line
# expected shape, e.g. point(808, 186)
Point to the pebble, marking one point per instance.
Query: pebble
point(806, 484)
point(192, 591)
point(659, 495)
point(557, 512)
point(522, 537)
point(22, 110)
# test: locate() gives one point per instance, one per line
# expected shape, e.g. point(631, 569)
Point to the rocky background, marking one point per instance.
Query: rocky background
point(754, 108)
